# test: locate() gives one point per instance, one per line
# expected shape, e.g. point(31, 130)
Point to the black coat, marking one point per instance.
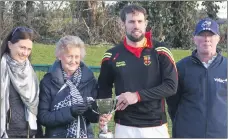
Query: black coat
point(56, 121)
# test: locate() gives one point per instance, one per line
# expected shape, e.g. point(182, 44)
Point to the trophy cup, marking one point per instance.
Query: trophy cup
point(105, 106)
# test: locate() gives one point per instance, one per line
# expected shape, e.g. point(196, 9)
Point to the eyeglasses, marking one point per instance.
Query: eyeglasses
point(22, 29)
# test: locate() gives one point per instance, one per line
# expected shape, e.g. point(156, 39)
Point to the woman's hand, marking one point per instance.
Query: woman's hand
point(104, 119)
point(78, 109)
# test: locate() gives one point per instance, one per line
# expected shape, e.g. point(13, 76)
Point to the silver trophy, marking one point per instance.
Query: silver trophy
point(105, 106)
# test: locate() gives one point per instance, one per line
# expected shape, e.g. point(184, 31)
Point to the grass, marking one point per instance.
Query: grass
point(44, 54)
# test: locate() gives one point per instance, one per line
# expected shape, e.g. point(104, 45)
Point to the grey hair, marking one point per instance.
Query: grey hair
point(70, 41)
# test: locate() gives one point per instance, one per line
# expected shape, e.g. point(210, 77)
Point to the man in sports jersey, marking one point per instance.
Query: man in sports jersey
point(144, 74)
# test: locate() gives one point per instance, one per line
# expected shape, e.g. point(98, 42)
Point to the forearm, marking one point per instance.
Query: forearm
point(166, 89)
point(48, 118)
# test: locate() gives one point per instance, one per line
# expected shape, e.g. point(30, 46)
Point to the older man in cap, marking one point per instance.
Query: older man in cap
point(199, 108)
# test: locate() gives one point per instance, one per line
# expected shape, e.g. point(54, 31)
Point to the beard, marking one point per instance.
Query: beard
point(134, 39)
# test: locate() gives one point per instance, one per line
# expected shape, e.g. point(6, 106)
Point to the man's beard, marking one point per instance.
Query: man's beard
point(134, 39)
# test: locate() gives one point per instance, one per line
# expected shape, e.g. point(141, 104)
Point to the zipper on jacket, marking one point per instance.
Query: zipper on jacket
point(206, 89)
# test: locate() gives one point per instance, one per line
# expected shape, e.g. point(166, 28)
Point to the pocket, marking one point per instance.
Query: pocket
point(222, 90)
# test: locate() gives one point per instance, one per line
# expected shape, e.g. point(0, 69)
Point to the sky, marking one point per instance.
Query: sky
point(223, 10)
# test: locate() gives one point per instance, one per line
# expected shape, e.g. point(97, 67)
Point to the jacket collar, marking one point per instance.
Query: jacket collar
point(197, 60)
point(194, 52)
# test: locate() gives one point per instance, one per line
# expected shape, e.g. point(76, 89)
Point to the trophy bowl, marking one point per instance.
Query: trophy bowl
point(105, 106)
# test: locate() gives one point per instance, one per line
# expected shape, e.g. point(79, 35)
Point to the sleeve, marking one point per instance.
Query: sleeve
point(169, 75)
point(106, 77)
point(89, 114)
point(50, 118)
point(173, 101)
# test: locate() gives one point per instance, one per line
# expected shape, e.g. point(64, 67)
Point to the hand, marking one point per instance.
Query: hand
point(78, 109)
point(104, 119)
point(89, 101)
point(125, 99)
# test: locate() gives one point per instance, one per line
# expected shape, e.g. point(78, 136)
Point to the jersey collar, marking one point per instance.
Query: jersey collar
point(138, 50)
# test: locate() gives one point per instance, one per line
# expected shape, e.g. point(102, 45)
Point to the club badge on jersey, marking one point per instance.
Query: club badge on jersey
point(147, 60)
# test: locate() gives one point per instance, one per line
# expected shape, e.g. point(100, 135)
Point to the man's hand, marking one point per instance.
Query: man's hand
point(103, 119)
point(125, 99)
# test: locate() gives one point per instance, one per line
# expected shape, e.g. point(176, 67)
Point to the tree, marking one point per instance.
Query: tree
point(181, 24)
point(86, 10)
point(171, 21)
point(29, 12)
point(19, 15)
point(119, 5)
point(2, 10)
point(211, 9)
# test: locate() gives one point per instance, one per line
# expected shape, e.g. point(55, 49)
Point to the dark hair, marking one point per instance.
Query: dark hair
point(133, 8)
point(16, 34)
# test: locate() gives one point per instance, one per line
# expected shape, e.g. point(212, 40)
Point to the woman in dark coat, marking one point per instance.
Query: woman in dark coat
point(66, 91)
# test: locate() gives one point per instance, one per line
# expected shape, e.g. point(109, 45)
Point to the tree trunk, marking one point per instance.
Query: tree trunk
point(2, 9)
point(18, 13)
point(176, 17)
point(92, 13)
point(42, 10)
point(29, 12)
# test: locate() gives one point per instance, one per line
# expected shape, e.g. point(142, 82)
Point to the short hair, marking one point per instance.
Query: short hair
point(70, 41)
point(133, 8)
point(15, 35)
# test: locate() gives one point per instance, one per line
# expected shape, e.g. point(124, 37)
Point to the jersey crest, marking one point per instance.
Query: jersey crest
point(147, 60)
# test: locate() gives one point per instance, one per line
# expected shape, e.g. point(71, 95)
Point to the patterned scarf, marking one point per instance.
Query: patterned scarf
point(25, 82)
point(75, 129)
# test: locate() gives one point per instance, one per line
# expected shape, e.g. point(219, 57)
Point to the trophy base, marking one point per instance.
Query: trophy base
point(106, 135)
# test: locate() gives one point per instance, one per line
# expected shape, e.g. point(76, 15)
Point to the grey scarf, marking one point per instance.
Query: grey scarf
point(25, 82)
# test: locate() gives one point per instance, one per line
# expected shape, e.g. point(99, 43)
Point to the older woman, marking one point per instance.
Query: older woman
point(19, 85)
point(65, 92)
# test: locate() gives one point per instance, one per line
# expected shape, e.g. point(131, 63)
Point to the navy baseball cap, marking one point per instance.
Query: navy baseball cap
point(207, 24)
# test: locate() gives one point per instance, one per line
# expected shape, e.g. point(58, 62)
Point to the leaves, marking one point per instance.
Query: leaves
point(97, 22)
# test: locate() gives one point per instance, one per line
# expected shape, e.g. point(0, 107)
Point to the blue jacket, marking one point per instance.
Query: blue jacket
point(199, 109)
point(56, 121)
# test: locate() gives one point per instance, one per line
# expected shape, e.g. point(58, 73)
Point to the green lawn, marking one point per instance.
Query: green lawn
point(44, 54)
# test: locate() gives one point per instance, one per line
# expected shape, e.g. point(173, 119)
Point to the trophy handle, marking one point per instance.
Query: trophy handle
point(95, 111)
point(114, 101)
